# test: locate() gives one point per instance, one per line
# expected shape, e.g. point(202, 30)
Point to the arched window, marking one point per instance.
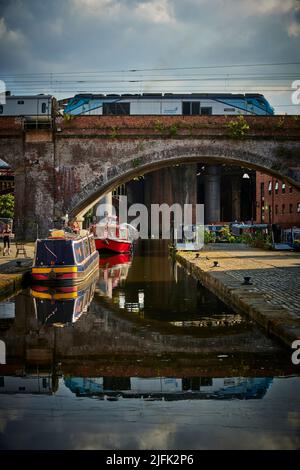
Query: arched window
point(43, 107)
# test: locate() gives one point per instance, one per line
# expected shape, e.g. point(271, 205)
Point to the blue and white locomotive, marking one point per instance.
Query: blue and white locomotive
point(169, 104)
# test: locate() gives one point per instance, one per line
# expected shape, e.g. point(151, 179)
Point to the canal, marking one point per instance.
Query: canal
point(144, 357)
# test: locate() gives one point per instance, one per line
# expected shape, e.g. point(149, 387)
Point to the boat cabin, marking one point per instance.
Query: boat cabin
point(65, 258)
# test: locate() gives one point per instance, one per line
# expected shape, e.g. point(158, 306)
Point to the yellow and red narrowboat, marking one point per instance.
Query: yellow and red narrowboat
point(64, 259)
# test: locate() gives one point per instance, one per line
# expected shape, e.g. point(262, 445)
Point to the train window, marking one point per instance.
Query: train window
point(206, 111)
point(116, 108)
point(186, 108)
point(195, 107)
point(21, 102)
point(43, 107)
point(1, 108)
point(190, 108)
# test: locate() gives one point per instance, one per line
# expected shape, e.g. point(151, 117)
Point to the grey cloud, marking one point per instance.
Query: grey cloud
point(58, 35)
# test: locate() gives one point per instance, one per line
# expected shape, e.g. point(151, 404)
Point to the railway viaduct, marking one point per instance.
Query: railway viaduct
point(69, 167)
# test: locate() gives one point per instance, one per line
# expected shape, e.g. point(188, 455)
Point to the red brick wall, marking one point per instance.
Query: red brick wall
point(281, 207)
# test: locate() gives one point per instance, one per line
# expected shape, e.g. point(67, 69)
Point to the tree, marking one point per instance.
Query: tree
point(7, 205)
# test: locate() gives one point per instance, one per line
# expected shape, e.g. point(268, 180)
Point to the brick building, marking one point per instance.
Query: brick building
point(276, 202)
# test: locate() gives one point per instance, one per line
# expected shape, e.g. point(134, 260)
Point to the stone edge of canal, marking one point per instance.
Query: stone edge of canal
point(277, 321)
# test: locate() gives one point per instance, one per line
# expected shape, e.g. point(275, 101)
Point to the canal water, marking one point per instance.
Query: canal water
point(144, 357)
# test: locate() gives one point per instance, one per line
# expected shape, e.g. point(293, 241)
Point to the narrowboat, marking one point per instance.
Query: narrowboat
point(112, 237)
point(64, 259)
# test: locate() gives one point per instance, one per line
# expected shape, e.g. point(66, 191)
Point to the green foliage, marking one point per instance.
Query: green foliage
point(280, 123)
point(68, 117)
point(238, 127)
point(114, 132)
point(158, 126)
point(172, 130)
point(209, 237)
point(222, 235)
point(257, 240)
point(7, 205)
point(136, 162)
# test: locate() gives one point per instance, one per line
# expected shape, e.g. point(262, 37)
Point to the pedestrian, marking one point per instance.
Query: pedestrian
point(6, 239)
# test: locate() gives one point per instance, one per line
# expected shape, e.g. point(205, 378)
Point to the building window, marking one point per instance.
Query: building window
point(206, 111)
point(270, 187)
point(298, 207)
point(262, 189)
point(290, 189)
point(21, 102)
point(116, 108)
point(276, 187)
point(276, 209)
point(283, 188)
point(1, 108)
point(190, 108)
point(291, 208)
point(283, 208)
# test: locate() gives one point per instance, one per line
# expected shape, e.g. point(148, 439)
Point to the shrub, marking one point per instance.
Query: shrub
point(238, 127)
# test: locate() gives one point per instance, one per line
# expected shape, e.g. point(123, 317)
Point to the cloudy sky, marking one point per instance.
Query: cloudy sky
point(51, 40)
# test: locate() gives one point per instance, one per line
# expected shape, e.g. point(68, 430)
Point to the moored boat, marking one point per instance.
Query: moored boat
point(64, 259)
point(112, 237)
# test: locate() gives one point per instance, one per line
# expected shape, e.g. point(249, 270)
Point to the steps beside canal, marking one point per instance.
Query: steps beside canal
point(272, 298)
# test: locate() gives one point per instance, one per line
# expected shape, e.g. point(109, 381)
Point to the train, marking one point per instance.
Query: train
point(169, 104)
point(41, 109)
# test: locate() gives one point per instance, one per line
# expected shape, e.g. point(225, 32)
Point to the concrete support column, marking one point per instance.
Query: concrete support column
point(105, 204)
point(236, 197)
point(212, 185)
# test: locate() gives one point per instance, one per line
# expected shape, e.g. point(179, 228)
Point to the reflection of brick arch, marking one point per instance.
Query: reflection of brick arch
point(2, 352)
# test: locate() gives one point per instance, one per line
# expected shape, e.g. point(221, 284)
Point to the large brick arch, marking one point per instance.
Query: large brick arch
point(68, 167)
point(263, 156)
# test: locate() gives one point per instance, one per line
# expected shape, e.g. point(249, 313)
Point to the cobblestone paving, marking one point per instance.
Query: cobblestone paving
point(274, 274)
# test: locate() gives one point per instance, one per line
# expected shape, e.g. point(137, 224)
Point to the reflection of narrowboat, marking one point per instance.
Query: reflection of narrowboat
point(64, 259)
point(64, 305)
point(113, 270)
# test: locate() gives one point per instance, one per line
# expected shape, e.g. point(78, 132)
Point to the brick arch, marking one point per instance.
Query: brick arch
point(263, 157)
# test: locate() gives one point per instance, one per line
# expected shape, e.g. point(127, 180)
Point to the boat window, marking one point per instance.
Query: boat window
point(86, 247)
point(54, 252)
point(92, 244)
point(79, 254)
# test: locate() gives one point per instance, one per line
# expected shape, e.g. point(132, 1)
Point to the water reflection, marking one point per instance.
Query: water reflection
point(128, 371)
point(155, 388)
point(169, 388)
point(158, 289)
point(62, 305)
point(113, 271)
